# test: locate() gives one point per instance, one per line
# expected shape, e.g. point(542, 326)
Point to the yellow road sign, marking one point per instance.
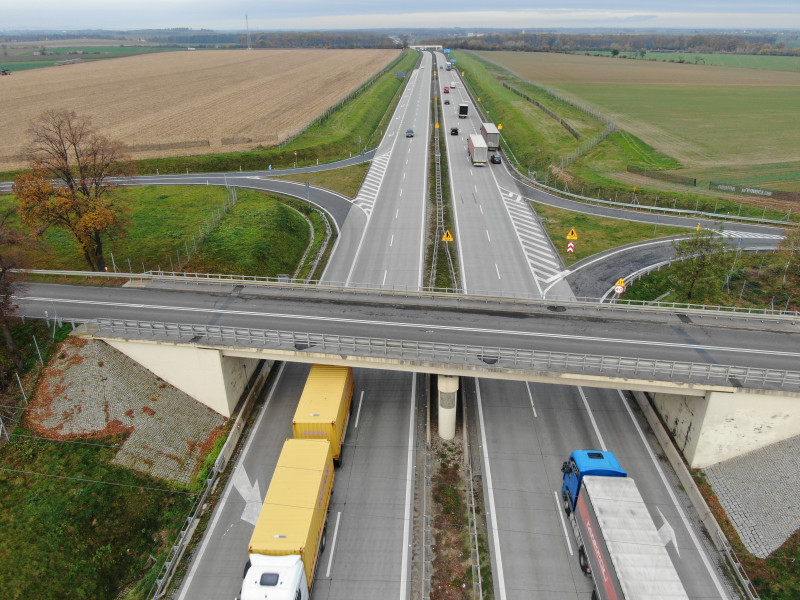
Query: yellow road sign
point(447, 237)
point(698, 227)
point(621, 282)
point(437, 126)
point(499, 125)
point(572, 235)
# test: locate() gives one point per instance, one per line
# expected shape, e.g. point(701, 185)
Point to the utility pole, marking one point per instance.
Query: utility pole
point(247, 24)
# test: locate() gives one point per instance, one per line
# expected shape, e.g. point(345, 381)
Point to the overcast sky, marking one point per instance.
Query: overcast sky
point(362, 14)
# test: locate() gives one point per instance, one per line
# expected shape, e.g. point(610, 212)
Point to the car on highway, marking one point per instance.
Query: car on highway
point(446, 90)
point(447, 101)
point(494, 159)
point(454, 131)
point(409, 133)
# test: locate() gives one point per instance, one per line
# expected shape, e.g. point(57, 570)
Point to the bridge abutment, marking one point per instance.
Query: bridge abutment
point(205, 374)
point(721, 425)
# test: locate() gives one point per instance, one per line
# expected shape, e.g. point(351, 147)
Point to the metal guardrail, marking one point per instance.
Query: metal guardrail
point(471, 356)
point(487, 296)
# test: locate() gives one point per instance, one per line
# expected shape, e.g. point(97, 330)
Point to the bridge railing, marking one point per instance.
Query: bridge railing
point(469, 356)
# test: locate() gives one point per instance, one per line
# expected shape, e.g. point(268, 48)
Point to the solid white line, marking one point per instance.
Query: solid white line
point(218, 510)
point(530, 395)
point(501, 583)
point(333, 544)
point(487, 236)
point(560, 512)
point(498, 271)
point(358, 413)
point(411, 325)
point(409, 482)
point(591, 418)
point(678, 507)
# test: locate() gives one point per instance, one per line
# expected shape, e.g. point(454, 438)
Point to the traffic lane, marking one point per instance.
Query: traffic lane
point(218, 564)
point(623, 429)
point(534, 557)
point(364, 559)
point(677, 339)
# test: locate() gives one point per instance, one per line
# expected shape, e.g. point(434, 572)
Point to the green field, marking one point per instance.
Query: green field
point(27, 60)
point(161, 223)
point(746, 61)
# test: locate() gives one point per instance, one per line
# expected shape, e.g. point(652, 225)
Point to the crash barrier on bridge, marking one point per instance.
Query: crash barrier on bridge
point(556, 303)
point(471, 357)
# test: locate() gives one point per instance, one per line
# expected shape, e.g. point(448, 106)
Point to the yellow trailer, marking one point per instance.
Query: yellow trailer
point(290, 533)
point(324, 408)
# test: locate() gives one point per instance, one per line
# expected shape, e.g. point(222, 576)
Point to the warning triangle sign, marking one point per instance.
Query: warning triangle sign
point(447, 237)
point(572, 235)
point(621, 282)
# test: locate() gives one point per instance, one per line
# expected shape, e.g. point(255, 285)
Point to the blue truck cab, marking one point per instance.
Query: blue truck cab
point(582, 463)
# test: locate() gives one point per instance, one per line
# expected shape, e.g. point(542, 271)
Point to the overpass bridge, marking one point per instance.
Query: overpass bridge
point(725, 382)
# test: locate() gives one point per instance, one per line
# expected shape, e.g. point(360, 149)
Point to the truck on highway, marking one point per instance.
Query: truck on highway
point(477, 149)
point(463, 111)
point(324, 408)
point(619, 546)
point(446, 90)
point(289, 536)
point(491, 134)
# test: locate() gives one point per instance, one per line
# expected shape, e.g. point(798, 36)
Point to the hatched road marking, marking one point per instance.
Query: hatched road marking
point(372, 183)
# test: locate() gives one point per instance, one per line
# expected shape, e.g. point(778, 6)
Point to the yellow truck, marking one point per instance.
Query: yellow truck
point(324, 408)
point(290, 533)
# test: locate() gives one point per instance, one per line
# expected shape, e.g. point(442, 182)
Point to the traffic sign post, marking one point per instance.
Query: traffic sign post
point(571, 247)
point(619, 287)
point(447, 237)
point(572, 235)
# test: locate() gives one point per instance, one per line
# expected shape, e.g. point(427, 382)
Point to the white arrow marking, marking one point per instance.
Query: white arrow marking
point(667, 533)
point(251, 495)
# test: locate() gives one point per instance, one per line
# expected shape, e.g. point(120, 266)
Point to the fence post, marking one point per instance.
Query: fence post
point(3, 431)
point(21, 389)
point(35, 343)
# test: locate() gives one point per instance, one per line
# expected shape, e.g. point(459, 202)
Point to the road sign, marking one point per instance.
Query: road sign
point(295, 152)
point(572, 235)
point(571, 247)
point(621, 282)
point(500, 126)
point(619, 289)
point(437, 126)
point(447, 237)
point(698, 227)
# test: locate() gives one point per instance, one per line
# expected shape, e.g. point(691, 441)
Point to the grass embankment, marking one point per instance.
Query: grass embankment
point(346, 180)
point(752, 280)
point(335, 138)
point(595, 234)
point(162, 221)
point(63, 536)
point(538, 142)
point(746, 61)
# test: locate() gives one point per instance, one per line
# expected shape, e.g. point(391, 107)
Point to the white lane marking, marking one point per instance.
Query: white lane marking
point(384, 277)
point(487, 236)
point(591, 418)
point(397, 212)
point(251, 494)
point(401, 189)
point(391, 241)
point(530, 395)
point(492, 513)
point(678, 507)
point(560, 512)
point(498, 271)
point(534, 334)
point(409, 482)
point(358, 413)
point(476, 189)
point(218, 511)
point(481, 207)
point(333, 544)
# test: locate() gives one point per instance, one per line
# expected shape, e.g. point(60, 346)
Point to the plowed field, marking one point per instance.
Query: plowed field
point(178, 103)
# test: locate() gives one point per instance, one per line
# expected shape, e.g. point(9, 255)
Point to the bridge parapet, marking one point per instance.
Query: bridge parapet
point(686, 378)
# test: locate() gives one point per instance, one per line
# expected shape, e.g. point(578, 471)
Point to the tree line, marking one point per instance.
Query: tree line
point(622, 42)
point(320, 39)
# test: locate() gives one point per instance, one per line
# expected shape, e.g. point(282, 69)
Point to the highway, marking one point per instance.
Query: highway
point(528, 430)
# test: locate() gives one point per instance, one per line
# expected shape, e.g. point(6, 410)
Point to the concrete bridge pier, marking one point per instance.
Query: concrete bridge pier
point(722, 425)
point(206, 374)
point(448, 395)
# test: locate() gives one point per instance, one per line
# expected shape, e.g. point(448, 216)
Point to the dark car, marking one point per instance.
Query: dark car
point(454, 131)
point(409, 133)
point(447, 101)
point(495, 159)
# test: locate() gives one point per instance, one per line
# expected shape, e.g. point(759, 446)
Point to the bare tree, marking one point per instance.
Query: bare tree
point(66, 148)
point(10, 284)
